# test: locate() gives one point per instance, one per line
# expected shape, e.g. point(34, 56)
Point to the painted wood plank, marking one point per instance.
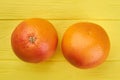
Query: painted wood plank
point(7, 26)
point(60, 9)
point(16, 70)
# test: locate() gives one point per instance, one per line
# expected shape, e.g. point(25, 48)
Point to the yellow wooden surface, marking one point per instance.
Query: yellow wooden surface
point(62, 13)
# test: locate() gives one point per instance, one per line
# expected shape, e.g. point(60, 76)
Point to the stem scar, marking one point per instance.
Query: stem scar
point(32, 39)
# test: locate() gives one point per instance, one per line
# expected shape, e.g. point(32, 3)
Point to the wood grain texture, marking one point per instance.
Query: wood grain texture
point(60, 9)
point(62, 13)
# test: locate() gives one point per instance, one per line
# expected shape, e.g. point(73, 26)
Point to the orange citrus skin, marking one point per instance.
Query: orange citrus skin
point(34, 40)
point(85, 45)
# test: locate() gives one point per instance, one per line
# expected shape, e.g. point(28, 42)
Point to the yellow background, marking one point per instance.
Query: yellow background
point(62, 13)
